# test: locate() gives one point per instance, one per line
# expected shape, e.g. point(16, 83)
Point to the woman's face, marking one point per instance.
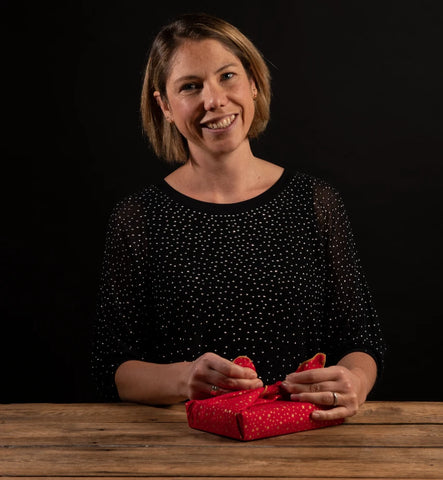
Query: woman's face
point(210, 97)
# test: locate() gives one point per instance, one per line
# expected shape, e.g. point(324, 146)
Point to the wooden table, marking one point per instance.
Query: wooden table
point(385, 440)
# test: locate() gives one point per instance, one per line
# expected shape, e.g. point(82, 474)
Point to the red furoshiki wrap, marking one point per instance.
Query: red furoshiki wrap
point(258, 413)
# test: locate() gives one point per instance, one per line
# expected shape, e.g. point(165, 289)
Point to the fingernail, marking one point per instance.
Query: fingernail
point(295, 397)
point(315, 415)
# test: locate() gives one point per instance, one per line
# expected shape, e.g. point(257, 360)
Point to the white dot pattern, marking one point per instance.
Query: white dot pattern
point(276, 278)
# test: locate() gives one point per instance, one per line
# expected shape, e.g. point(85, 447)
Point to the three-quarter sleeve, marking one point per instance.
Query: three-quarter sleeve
point(351, 321)
point(283, 282)
point(120, 327)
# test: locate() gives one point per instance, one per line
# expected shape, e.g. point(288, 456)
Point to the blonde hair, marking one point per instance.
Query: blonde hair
point(167, 142)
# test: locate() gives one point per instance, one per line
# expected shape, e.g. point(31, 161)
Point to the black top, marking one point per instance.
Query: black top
point(276, 278)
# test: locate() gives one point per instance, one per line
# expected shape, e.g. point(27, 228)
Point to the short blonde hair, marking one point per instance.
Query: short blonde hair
point(167, 142)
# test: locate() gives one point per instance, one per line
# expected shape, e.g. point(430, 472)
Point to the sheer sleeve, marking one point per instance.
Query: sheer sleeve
point(120, 326)
point(351, 319)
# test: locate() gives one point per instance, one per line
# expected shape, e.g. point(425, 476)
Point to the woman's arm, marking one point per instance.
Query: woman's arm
point(152, 383)
point(158, 384)
point(364, 368)
point(350, 320)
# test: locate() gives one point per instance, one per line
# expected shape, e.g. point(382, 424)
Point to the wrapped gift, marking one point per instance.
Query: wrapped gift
point(258, 413)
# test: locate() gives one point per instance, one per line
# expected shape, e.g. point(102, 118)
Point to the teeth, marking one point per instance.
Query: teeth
point(222, 124)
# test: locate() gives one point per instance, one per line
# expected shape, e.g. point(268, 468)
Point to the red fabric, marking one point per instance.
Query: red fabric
point(259, 413)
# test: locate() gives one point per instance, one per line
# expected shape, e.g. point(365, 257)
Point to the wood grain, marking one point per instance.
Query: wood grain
point(386, 440)
point(139, 434)
point(242, 461)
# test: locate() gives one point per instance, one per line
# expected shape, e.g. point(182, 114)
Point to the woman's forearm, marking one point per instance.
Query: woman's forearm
point(152, 383)
point(364, 366)
point(164, 384)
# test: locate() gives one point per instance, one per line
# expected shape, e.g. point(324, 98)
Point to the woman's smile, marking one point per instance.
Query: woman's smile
point(209, 98)
point(221, 124)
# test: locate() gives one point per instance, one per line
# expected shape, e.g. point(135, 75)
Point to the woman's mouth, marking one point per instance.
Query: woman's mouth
point(221, 123)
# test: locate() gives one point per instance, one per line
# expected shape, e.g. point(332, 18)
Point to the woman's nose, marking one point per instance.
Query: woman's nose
point(214, 97)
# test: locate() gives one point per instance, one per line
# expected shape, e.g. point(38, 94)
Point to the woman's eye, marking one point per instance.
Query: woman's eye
point(227, 75)
point(189, 86)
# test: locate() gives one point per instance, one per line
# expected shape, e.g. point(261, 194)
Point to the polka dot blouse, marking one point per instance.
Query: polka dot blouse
point(276, 278)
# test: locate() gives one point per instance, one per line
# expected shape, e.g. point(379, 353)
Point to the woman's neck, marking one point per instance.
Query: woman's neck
point(228, 180)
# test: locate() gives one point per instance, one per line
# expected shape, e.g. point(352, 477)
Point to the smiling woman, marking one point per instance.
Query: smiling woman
point(210, 100)
point(230, 254)
point(195, 29)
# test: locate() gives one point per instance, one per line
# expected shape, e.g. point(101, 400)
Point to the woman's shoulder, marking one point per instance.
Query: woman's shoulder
point(311, 183)
point(318, 192)
point(136, 205)
point(143, 198)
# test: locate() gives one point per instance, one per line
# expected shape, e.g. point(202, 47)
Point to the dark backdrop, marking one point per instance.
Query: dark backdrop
point(357, 101)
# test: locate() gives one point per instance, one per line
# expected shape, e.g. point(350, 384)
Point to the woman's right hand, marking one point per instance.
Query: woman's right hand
point(211, 375)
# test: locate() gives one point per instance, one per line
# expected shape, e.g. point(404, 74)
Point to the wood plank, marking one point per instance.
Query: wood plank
point(175, 477)
point(371, 412)
point(400, 463)
point(112, 434)
point(399, 412)
point(86, 412)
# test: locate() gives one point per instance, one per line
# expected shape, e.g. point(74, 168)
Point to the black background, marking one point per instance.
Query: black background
point(357, 100)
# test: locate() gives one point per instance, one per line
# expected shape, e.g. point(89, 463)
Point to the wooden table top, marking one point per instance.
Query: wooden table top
point(387, 440)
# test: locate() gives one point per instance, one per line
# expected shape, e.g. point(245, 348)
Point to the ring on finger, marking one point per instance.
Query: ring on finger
point(214, 390)
point(334, 399)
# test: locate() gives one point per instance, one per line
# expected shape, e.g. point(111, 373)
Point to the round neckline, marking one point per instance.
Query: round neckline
point(236, 207)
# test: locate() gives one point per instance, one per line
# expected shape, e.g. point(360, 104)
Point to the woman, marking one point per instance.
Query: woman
point(230, 254)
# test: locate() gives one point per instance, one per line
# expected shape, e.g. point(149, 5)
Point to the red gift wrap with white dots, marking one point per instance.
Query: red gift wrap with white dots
point(258, 413)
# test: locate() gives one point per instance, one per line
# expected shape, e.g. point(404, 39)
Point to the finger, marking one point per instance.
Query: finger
point(215, 390)
point(230, 383)
point(231, 370)
point(312, 376)
point(321, 398)
point(205, 366)
point(202, 390)
point(332, 414)
point(310, 387)
point(211, 375)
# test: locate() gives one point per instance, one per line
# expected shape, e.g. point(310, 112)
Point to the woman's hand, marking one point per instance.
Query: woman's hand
point(342, 387)
point(211, 375)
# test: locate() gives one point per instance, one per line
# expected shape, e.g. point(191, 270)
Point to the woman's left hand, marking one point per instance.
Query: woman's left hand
point(336, 387)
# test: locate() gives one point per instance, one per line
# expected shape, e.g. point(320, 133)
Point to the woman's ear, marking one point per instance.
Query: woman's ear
point(253, 89)
point(164, 106)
